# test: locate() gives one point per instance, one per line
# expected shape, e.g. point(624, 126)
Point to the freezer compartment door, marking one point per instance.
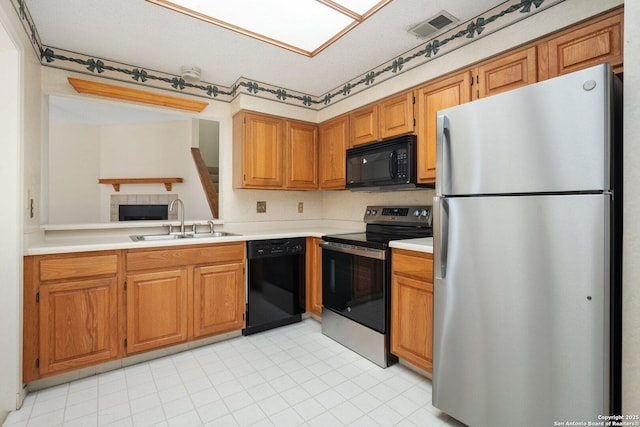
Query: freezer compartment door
point(551, 136)
point(521, 297)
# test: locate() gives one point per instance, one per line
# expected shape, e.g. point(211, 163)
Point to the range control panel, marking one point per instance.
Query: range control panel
point(419, 214)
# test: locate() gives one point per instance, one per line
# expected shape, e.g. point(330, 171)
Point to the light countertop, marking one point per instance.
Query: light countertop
point(424, 244)
point(83, 239)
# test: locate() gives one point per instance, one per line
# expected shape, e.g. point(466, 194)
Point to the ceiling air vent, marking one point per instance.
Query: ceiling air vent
point(433, 25)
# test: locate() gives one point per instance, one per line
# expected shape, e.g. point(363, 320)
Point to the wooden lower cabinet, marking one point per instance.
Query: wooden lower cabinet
point(314, 276)
point(183, 293)
point(78, 324)
point(71, 312)
point(157, 309)
point(412, 307)
point(83, 309)
point(218, 299)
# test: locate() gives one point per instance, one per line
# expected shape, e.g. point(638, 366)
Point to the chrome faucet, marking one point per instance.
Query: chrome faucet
point(181, 213)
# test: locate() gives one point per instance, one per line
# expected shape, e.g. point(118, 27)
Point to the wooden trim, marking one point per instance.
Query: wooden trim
point(136, 95)
point(117, 181)
point(30, 321)
point(357, 20)
point(205, 180)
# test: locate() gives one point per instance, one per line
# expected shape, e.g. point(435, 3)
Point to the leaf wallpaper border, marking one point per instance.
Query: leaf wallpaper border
point(504, 15)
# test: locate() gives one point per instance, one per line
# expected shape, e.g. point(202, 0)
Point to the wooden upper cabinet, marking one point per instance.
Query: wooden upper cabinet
point(157, 307)
point(587, 45)
point(395, 115)
point(430, 98)
point(390, 117)
point(364, 125)
point(506, 72)
point(219, 297)
point(258, 150)
point(334, 141)
point(301, 147)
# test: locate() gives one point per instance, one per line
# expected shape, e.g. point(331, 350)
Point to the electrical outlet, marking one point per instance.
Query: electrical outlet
point(300, 207)
point(261, 207)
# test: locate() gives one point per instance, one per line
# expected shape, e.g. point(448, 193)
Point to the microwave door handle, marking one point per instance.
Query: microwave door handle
point(393, 164)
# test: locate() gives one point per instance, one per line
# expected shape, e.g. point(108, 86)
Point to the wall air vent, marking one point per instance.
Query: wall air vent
point(433, 25)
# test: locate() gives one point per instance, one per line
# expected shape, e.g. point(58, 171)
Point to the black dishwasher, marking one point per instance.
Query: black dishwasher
point(276, 283)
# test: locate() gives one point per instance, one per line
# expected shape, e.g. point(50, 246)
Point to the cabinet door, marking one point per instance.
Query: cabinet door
point(334, 138)
point(412, 321)
point(219, 299)
point(314, 276)
point(302, 156)
point(156, 309)
point(436, 96)
point(395, 115)
point(587, 46)
point(506, 73)
point(78, 324)
point(263, 151)
point(364, 125)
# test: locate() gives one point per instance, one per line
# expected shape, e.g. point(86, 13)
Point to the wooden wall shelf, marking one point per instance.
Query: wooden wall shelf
point(117, 181)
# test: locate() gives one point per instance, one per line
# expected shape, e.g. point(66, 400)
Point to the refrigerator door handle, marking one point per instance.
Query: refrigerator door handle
point(441, 236)
point(442, 155)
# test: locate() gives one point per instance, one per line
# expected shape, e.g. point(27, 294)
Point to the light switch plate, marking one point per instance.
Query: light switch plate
point(261, 207)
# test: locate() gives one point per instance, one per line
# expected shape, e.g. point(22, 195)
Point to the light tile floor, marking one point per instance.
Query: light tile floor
point(290, 376)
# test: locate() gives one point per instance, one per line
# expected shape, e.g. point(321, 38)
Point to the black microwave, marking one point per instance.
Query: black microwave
point(383, 166)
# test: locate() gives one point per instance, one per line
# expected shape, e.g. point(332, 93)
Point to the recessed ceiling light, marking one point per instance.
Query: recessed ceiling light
point(302, 26)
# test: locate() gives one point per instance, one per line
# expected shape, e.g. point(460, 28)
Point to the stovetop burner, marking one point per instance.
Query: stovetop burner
point(386, 223)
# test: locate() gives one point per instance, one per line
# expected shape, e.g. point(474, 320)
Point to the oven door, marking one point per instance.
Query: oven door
point(355, 283)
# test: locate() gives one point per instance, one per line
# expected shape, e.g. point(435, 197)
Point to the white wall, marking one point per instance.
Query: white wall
point(10, 218)
point(80, 154)
point(209, 141)
point(74, 164)
point(159, 149)
point(19, 171)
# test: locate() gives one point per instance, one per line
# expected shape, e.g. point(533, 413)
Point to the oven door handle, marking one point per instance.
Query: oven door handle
point(355, 250)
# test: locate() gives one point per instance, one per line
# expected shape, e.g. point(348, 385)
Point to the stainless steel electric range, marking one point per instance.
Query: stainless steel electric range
point(356, 278)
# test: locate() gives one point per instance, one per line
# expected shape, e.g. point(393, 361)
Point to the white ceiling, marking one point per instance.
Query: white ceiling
point(142, 34)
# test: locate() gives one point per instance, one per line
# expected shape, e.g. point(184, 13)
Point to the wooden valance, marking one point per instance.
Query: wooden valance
point(112, 91)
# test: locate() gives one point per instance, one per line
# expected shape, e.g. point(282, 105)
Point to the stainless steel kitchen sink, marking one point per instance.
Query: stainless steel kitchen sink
point(214, 234)
point(161, 237)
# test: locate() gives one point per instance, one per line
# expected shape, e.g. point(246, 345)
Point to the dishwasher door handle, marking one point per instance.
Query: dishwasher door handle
point(355, 250)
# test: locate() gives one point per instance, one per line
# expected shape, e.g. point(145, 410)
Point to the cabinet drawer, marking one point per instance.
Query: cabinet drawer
point(418, 265)
point(77, 266)
point(184, 255)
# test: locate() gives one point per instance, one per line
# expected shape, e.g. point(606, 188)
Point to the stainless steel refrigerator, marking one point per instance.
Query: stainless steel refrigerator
point(527, 241)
